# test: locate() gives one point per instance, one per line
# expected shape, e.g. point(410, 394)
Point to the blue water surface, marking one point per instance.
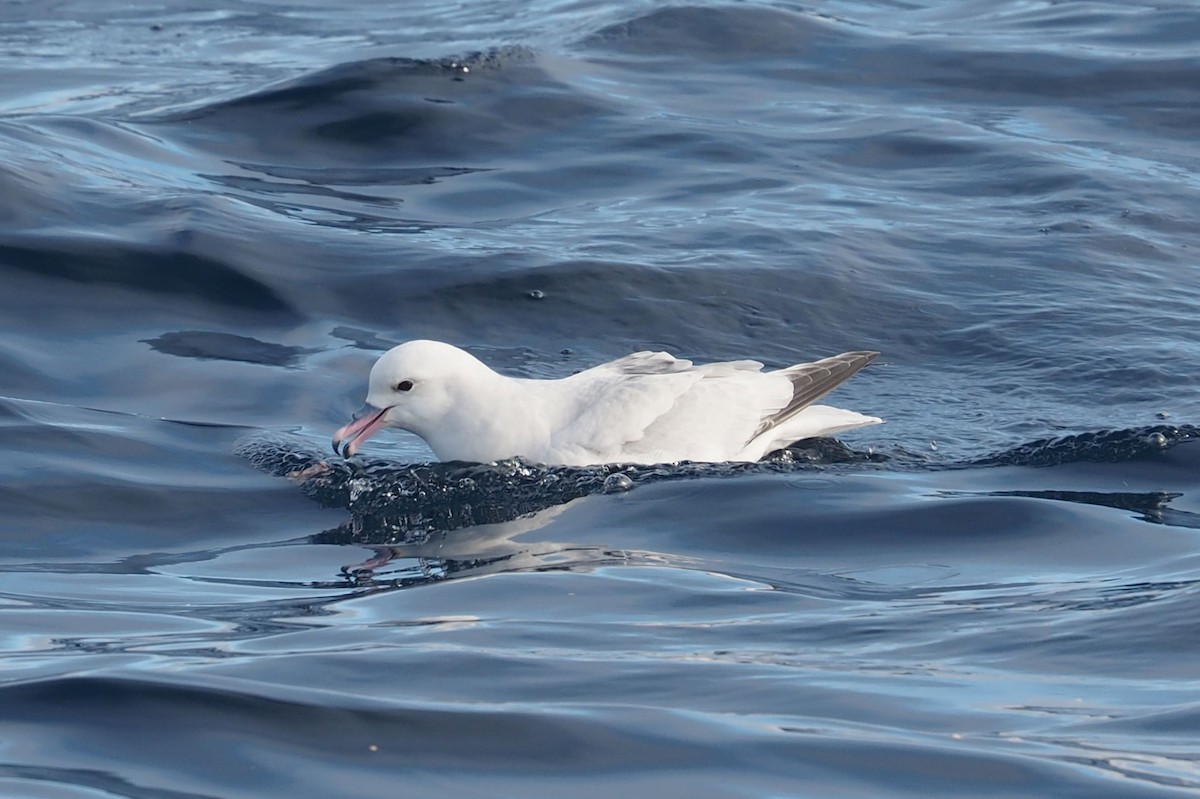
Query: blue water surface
point(214, 217)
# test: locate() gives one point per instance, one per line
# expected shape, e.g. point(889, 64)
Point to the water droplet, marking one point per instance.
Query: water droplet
point(617, 482)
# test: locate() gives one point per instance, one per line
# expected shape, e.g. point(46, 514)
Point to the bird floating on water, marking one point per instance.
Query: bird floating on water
point(648, 407)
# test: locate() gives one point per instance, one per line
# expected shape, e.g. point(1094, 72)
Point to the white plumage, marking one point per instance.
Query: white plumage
point(649, 407)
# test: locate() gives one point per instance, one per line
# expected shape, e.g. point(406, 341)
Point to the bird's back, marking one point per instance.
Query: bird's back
point(655, 408)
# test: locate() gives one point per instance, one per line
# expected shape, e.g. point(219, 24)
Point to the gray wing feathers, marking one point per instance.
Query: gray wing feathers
point(811, 381)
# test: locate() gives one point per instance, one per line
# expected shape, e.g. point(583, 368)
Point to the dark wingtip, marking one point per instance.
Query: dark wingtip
point(811, 381)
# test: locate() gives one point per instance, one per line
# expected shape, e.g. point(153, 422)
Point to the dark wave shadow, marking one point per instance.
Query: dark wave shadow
point(396, 504)
point(718, 34)
point(213, 345)
point(1150, 506)
point(89, 261)
point(1100, 446)
point(433, 117)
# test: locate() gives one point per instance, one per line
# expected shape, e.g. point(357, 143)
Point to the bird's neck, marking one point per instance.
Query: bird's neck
point(502, 418)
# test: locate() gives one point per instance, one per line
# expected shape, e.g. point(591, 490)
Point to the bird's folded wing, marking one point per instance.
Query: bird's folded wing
point(614, 411)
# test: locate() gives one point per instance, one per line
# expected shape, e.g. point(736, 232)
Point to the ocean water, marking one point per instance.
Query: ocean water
point(214, 217)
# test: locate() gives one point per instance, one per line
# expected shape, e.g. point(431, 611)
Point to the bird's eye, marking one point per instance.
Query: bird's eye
point(404, 385)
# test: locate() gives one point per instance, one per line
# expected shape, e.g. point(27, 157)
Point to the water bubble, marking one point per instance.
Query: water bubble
point(535, 294)
point(1156, 440)
point(933, 446)
point(616, 483)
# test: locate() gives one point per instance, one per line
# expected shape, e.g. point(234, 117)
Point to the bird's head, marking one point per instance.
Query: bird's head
point(414, 386)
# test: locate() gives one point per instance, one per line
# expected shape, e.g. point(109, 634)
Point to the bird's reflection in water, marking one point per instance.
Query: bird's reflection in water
point(422, 557)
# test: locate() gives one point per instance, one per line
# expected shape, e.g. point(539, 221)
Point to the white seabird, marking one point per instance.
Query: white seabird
point(648, 407)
